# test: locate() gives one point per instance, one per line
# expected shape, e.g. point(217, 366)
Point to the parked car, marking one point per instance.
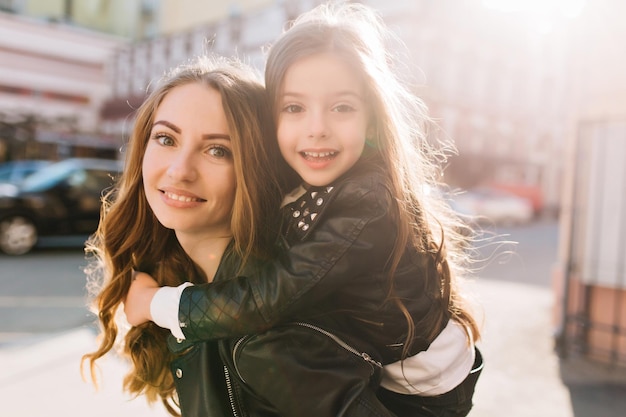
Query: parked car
point(486, 204)
point(60, 199)
point(15, 171)
point(532, 193)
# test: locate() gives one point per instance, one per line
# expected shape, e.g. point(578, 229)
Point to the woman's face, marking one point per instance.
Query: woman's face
point(188, 172)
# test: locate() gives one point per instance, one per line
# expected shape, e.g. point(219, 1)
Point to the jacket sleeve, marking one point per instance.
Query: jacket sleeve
point(355, 233)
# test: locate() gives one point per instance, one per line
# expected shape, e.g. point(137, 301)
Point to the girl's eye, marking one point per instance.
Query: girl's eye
point(219, 152)
point(292, 108)
point(343, 108)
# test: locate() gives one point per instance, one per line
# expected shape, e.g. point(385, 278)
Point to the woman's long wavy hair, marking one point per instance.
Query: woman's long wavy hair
point(398, 134)
point(130, 237)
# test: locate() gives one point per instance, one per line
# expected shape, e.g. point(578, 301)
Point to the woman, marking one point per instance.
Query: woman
point(199, 192)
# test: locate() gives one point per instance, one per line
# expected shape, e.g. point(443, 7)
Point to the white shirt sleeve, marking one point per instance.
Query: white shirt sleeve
point(164, 308)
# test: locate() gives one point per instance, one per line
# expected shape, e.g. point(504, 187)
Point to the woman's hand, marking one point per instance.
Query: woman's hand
point(140, 294)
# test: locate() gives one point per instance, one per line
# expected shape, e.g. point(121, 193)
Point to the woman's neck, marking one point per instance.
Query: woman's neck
point(206, 252)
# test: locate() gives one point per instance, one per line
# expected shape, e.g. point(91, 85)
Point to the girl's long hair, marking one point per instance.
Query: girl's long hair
point(130, 238)
point(399, 134)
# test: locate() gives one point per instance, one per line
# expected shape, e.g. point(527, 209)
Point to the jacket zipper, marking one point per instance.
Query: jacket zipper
point(363, 355)
point(343, 344)
point(234, 354)
point(231, 394)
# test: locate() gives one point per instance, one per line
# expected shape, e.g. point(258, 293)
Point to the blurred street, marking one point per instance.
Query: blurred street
point(43, 292)
point(45, 328)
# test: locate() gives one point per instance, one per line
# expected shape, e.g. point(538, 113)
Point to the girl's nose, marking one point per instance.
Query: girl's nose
point(182, 168)
point(317, 125)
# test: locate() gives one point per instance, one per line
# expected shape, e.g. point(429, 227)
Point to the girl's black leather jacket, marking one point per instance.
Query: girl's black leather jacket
point(337, 241)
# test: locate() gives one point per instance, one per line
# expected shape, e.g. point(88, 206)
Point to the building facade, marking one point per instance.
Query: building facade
point(53, 81)
point(55, 67)
point(590, 275)
point(497, 83)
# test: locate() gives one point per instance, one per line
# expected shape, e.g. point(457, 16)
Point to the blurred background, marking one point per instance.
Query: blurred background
point(531, 92)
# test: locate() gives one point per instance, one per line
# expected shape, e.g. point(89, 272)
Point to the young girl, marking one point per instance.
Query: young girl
point(368, 251)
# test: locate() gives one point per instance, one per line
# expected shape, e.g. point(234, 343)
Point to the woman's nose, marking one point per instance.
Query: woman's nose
point(182, 168)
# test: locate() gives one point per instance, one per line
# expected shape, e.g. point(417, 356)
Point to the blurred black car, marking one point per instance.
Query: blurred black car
point(60, 199)
point(15, 171)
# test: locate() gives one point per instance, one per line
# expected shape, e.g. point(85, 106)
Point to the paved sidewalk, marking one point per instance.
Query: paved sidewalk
point(523, 377)
point(42, 379)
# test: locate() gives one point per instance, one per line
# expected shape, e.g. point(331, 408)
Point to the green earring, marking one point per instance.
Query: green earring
point(370, 143)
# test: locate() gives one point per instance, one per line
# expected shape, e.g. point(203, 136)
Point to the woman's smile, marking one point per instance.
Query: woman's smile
point(169, 195)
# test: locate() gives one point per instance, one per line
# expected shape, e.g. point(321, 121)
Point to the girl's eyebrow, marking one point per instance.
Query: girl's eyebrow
point(345, 93)
point(178, 130)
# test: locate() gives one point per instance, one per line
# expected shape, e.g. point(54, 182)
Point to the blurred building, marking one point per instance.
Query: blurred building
point(497, 84)
point(133, 19)
point(497, 81)
point(55, 61)
point(590, 276)
point(53, 82)
point(139, 64)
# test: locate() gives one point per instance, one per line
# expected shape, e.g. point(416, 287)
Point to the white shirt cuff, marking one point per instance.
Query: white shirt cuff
point(164, 308)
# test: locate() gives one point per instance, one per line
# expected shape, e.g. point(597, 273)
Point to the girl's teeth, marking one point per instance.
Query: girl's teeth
point(319, 154)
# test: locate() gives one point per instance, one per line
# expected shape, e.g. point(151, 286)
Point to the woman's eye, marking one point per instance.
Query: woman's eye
point(164, 140)
point(219, 152)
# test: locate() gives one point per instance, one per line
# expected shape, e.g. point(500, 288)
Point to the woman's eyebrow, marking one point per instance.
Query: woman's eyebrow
point(179, 130)
point(167, 124)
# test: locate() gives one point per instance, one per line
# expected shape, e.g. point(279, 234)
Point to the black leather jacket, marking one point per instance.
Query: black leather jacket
point(204, 377)
point(338, 241)
point(290, 370)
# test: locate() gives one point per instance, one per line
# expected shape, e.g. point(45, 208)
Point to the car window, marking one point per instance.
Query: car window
point(74, 175)
point(5, 173)
point(46, 177)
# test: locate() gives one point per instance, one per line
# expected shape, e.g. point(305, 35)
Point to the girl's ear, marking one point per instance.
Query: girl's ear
point(370, 137)
point(370, 134)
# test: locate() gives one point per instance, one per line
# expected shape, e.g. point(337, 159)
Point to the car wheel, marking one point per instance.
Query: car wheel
point(18, 235)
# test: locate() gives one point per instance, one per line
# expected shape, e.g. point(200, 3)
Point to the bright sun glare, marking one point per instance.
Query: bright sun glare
point(543, 13)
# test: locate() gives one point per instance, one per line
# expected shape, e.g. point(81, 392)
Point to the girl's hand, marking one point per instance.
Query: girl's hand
point(140, 294)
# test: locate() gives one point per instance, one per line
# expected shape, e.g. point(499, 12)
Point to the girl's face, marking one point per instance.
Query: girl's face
point(188, 172)
point(322, 119)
